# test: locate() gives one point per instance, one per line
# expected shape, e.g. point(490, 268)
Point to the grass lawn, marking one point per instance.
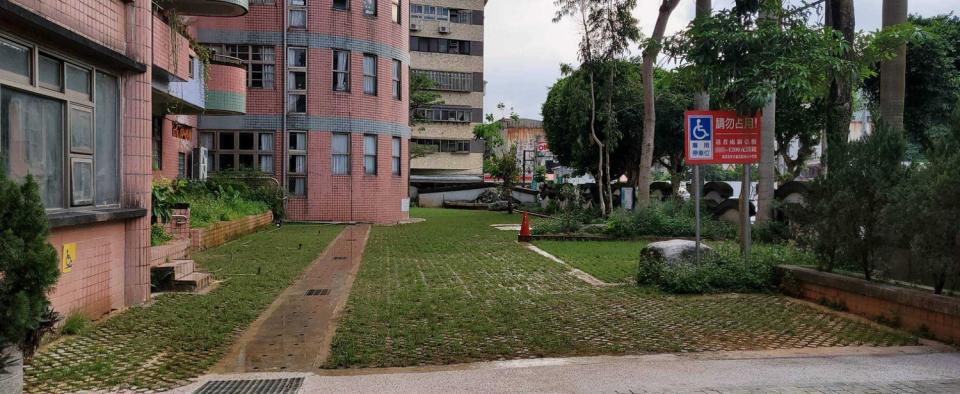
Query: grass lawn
point(452, 289)
point(179, 336)
point(609, 261)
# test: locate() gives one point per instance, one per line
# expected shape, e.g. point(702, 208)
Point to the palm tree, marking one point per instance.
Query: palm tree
point(893, 71)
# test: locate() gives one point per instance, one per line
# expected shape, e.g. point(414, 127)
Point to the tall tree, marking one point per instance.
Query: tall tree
point(893, 71)
point(650, 53)
point(838, 107)
point(768, 134)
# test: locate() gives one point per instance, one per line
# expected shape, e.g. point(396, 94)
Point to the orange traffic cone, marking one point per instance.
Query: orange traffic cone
point(525, 235)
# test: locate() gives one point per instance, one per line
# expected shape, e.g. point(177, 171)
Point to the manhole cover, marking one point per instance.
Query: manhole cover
point(318, 292)
point(259, 386)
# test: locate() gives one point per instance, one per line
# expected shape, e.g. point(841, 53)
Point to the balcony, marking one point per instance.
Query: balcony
point(227, 8)
point(177, 75)
point(226, 92)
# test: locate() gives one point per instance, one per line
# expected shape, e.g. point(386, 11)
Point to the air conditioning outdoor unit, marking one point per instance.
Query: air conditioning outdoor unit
point(414, 27)
point(200, 161)
point(444, 29)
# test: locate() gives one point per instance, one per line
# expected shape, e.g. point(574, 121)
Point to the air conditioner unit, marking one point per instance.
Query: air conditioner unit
point(415, 27)
point(445, 29)
point(200, 161)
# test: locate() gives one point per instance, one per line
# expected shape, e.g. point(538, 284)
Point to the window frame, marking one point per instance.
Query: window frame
point(298, 8)
point(69, 100)
point(334, 154)
point(396, 151)
point(214, 161)
point(293, 175)
point(292, 71)
point(374, 76)
point(396, 11)
point(248, 62)
point(397, 79)
point(345, 71)
point(345, 7)
point(365, 10)
point(367, 155)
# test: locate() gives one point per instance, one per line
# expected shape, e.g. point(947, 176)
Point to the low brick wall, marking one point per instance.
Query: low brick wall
point(913, 310)
point(175, 249)
point(220, 233)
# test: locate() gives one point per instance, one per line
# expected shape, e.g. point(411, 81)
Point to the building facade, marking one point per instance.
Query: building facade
point(532, 148)
point(82, 84)
point(326, 110)
point(446, 46)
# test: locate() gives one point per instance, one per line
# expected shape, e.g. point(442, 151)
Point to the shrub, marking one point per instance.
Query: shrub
point(670, 218)
point(722, 270)
point(76, 324)
point(29, 266)
point(158, 235)
point(223, 197)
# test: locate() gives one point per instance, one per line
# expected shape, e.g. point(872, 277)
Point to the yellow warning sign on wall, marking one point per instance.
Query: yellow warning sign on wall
point(69, 256)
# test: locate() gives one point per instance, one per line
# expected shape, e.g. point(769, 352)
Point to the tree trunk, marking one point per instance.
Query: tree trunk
point(767, 173)
point(609, 180)
point(893, 71)
point(839, 104)
point(12, 381)
point(649, 102)
point(593, 136)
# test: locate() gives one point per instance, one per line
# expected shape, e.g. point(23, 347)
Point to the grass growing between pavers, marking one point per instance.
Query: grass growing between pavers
point(452, 289)
point(180, 336)
point(609, 261)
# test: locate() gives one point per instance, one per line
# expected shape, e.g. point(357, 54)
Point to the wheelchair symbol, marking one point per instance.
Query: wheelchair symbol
point(699, 132)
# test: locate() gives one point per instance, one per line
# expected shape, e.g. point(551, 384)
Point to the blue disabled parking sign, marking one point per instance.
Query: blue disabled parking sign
point(700, 137)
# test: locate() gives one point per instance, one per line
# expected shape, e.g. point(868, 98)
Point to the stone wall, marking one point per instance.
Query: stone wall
point(220, 233)
point(920, 312)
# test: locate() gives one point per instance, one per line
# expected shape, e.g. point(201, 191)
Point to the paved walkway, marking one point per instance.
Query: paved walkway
point(824, 370)
point(294, 334)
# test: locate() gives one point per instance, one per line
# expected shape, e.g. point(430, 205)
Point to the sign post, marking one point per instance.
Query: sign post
point(723, 137)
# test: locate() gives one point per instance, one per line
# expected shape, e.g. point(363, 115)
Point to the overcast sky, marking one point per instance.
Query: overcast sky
point(524, 49)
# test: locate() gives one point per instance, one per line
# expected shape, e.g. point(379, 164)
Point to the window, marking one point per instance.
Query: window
point(443, 114)
point(261, 2)
point(297, 166)
point(370, 154)
point(369, 74)
point(58, 128)
point(461, 16)
point(446, 146)
point(259, 59)
point(191, 65)
point(341, 70)
point(181, 165)
point(395, 156)
point(397, 85)
point(245, 150)
point(341, 154)
point(15, 60)
point(298, 13)
point(297, 80)
point(440, 45)
point(341, 4)
point(206, 141)
point(156, 139)
point(448, 80)
point(395, 11)
point(429, 12)
point(370, 7)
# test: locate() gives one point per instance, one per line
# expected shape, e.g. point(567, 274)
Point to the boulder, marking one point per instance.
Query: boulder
point(12, 381)
point(675, 251)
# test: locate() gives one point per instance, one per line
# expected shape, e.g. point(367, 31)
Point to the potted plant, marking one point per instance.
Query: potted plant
point(28, 269)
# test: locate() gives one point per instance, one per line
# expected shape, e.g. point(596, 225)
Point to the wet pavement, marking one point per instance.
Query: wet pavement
point(294, 334)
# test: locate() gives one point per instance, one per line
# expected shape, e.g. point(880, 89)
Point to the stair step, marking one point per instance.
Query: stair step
point(180, 268)
point(193, 282)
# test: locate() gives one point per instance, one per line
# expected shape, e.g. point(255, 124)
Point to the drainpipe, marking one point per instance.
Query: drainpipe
point(283, 105)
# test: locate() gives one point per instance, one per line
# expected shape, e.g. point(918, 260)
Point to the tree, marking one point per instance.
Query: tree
point(932, 78)
point(675, 95)
point(507, 170)
point(566, 120)
point(607, 29)
point(28, 264)
point(422, 96)
point(800, 122)
point(893, 70)
point(650, 54)
point(491, 132)
point(838, 107)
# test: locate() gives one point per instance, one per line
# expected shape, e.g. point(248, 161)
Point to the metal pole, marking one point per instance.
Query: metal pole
point(696, 203)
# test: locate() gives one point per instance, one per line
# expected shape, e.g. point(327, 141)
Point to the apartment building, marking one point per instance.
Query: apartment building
point(446, 45)
point(327, 109)
point(88, 88)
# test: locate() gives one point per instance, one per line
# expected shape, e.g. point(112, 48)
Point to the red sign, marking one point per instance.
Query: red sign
point(721, 137)
point(542, 147)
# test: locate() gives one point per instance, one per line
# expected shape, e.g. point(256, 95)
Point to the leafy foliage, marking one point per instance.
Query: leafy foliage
point(158, 236)
point(28, 264)
point(508, 171)
point(422, 96)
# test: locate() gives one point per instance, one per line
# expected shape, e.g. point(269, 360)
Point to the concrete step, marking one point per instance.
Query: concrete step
point(193, 282)
point(180, 268)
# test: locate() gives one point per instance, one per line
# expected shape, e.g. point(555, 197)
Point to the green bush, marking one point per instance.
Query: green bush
point(158, 236)
point(76, 324)
point(667, 219)
point(28, 264)
point(223, 197)
point(722, 270)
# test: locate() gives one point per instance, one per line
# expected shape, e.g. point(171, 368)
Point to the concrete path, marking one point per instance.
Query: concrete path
point(822, 370)
point(294, 333)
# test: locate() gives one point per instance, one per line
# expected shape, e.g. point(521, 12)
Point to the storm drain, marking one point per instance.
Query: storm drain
point(318, 292)
point(340, 258)
point(259, 386)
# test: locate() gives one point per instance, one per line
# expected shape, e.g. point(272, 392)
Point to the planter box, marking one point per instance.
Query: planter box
point(917, 311)
point(220, 233)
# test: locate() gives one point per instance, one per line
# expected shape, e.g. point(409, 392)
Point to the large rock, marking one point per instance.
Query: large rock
point(675, 251)
point(12, 381)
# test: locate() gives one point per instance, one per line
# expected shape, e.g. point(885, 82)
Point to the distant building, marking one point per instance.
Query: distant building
point(531, 141)
point(446, 45)
point(860, 125)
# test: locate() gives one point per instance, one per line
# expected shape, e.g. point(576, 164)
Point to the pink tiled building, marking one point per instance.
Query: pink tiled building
point(98, 98)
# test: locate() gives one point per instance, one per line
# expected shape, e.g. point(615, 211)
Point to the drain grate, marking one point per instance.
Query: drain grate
point(318, 292)
point(340, 258)
point(259, 386)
